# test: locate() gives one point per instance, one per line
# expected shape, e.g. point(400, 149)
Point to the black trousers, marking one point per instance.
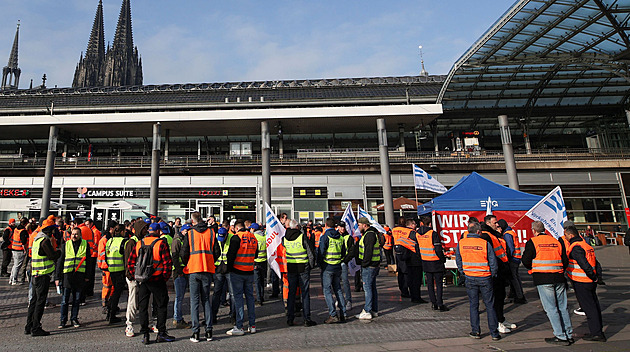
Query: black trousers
point(516, 285)
point(275, 284)
point(435, 287)
point(498, 285)
point(587, 297)
point(389, 256)
point(7, 254)
point(118, 283)
point(358, 281)
point(401, 269)
point(37, 303)
point(90, 273)
point(414, 275)
point(160, 297)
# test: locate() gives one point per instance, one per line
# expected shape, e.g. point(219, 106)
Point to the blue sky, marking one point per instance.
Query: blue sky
point(244, 40)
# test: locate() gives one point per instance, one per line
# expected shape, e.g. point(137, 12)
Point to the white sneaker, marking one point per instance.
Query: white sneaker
point(235, 332)
point(129, 331)
point(507, 324)
point(364, 315)
point(503, 329)
point(579, 311)
point(348, 306)
point(252, 329)
point(374, 314)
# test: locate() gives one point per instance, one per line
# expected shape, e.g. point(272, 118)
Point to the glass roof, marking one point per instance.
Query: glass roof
point(546, 53)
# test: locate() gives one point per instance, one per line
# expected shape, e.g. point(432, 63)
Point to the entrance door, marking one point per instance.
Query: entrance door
point(210, 208)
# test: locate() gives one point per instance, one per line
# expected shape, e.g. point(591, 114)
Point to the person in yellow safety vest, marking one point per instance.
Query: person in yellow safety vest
point(260, 263)
point(114, 258)
point(369, 257)
point(7, 254)
point(166, 233)
point(513, 251)
point(476, 260)
point(44, 258)
point(299, 255)
point(331, 251)
point(583, 272)
point(345, 281)
point(70, 274)
point(490, 233)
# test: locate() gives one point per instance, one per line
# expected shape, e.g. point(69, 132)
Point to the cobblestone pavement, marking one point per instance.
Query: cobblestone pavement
point(401, 326)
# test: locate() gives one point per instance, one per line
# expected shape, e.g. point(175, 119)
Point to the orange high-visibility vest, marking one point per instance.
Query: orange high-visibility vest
point(281, 258)
point(246, 252)
point(158, 265)
point(548, 255)
point(498, 245)
point(517, 244)
point(399, 232)
point(389, 241)
point(100, 259)
point(31, 239)
point(201, 257)
point(16, 243)
point(427, 250)
point(474, 253)
point(407, 243)
point(318, 234)
point(574, 271)
point(566, 243)
point(88, 235)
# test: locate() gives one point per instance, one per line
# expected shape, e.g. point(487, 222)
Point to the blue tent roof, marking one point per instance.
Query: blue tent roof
point(471, 194)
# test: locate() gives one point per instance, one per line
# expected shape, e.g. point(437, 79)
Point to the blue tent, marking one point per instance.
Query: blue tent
point(471, 193)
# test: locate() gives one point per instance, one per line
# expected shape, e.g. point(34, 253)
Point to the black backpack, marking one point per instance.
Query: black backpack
point(144, 263)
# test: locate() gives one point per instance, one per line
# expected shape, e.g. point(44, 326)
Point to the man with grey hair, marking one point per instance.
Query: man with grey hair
point(546, 259)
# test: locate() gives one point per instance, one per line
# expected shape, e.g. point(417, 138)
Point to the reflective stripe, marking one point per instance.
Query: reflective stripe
point(333, 252)
point(41, 265)
point(376, 253)
point(113, 258)
point(475, 264)
point(72, 259)
point(548, 267)
point(295, 251)
point(538, 261)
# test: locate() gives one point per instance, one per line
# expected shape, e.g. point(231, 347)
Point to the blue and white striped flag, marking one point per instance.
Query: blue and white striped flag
point(275, 233)
point(352, 227)
point(374, 223)
point(551, 211)
point(423, 180)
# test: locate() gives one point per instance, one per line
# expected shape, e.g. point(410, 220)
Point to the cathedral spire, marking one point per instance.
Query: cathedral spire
point(11, 72)
point(123, 67)
point(89, 72)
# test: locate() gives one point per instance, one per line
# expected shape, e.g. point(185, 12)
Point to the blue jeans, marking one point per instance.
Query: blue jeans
point(369, 287)
point(260, 272)
point(304, 280)
point(331, 282)
point(554, 300)
point(239, 285)
point(65, 302)
point(181, 284)
point(345, 283)
point(483, 286)
point(200, 291)
point(220, 290)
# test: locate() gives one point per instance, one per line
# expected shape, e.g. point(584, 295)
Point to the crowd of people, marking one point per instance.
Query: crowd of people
point(226, 264)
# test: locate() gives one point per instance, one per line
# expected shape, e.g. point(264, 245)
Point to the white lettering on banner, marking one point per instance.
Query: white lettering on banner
point(522, 235)
point(109, 193)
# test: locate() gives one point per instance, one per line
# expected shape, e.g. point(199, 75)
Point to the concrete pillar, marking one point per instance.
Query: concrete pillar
point(508, 153)
point(155, 169)
point(266, 164)
point(167, 136)
point(50, 169)
point(401, 137)
point(385, 175)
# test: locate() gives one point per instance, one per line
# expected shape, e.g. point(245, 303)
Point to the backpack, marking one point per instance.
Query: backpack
point(144, 263)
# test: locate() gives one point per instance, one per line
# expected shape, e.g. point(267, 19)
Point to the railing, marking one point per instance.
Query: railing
point(322, 157)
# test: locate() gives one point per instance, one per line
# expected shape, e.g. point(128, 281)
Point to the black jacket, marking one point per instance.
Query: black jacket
point(504, 273)
point(411, 258)
point(292, 235)
point(370, 239)
point(544, 278)
point(434, 266)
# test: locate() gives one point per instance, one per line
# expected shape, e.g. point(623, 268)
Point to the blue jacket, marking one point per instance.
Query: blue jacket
point(509, 241)
point(492, 259)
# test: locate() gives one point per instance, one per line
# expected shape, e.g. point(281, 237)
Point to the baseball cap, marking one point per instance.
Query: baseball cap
point(185, 227)
point(342, 223)
point(364, 220)
point(254, 226)
point(154, 227)
point(147, 220)
point(222, 231)
point(11, 221)
point(164, 227)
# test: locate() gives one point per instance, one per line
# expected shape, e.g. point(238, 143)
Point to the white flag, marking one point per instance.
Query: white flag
point(374, 223)
point(352, 227)
point(551, 211)
point(423, 180)
point(275, 233)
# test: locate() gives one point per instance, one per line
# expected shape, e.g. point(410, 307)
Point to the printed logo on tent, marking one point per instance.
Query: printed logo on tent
point(484, 203)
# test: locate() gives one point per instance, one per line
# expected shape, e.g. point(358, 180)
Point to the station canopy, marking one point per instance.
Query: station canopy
point(546, 56)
